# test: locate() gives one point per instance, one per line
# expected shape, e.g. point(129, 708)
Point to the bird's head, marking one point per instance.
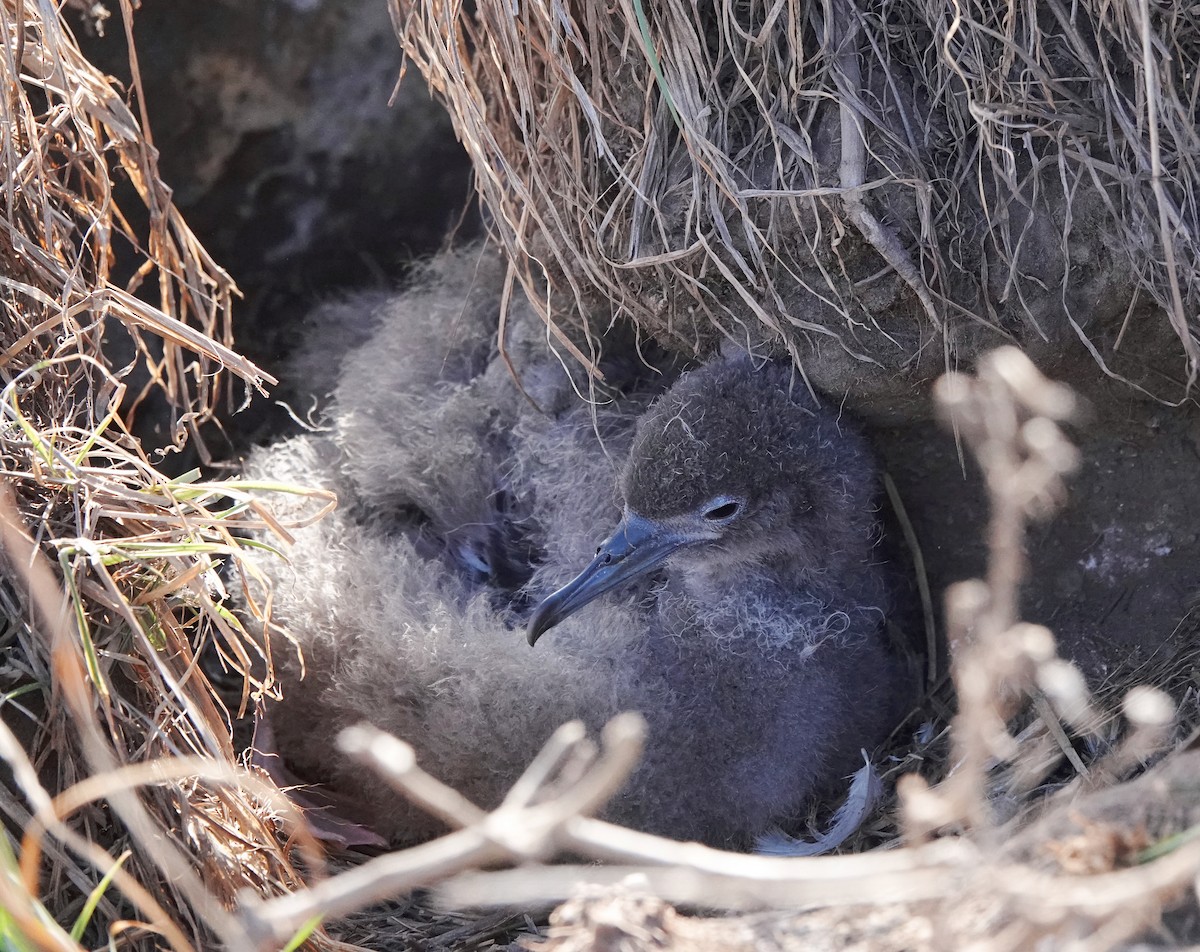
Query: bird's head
point(734, 466)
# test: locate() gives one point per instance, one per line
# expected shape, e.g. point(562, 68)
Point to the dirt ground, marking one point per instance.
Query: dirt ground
point(1114, 573)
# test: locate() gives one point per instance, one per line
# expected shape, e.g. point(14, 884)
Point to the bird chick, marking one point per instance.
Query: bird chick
point(736, 480)
point(766, 632)
point(744, 598)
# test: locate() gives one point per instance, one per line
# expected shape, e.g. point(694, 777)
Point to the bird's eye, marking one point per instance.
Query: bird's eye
point(722, 510)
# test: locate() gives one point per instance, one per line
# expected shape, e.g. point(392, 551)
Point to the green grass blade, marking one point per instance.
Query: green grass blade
point(652, 57)
point(93, 899)
point(302, 934)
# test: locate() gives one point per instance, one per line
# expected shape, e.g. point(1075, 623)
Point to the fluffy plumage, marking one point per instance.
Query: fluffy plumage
point(757, 655)
point(748, 434)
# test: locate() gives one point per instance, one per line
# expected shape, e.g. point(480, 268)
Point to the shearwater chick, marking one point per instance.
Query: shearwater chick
point(745, 596)
point(766, 634)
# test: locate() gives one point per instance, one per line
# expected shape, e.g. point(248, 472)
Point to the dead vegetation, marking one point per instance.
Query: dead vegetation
point(126, 814)
point(903, 184)
point(100, 684)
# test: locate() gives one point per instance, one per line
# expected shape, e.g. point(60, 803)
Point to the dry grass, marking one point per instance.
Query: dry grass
point(887, 177)
point(109, 699)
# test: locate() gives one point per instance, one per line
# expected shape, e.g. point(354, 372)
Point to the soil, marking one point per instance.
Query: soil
point(1114, 573)
point(274, 128)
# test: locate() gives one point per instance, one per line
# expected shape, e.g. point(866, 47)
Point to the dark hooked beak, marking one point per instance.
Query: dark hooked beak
point(636, 547)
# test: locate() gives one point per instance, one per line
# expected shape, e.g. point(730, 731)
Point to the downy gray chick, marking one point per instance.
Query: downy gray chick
point(744, 599)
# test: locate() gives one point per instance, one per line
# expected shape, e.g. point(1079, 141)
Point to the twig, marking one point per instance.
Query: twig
point(1007, 415)
point(396, 763)
point(789, 887)
point(853, 167)
point(270, 923)
point(514, 832)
